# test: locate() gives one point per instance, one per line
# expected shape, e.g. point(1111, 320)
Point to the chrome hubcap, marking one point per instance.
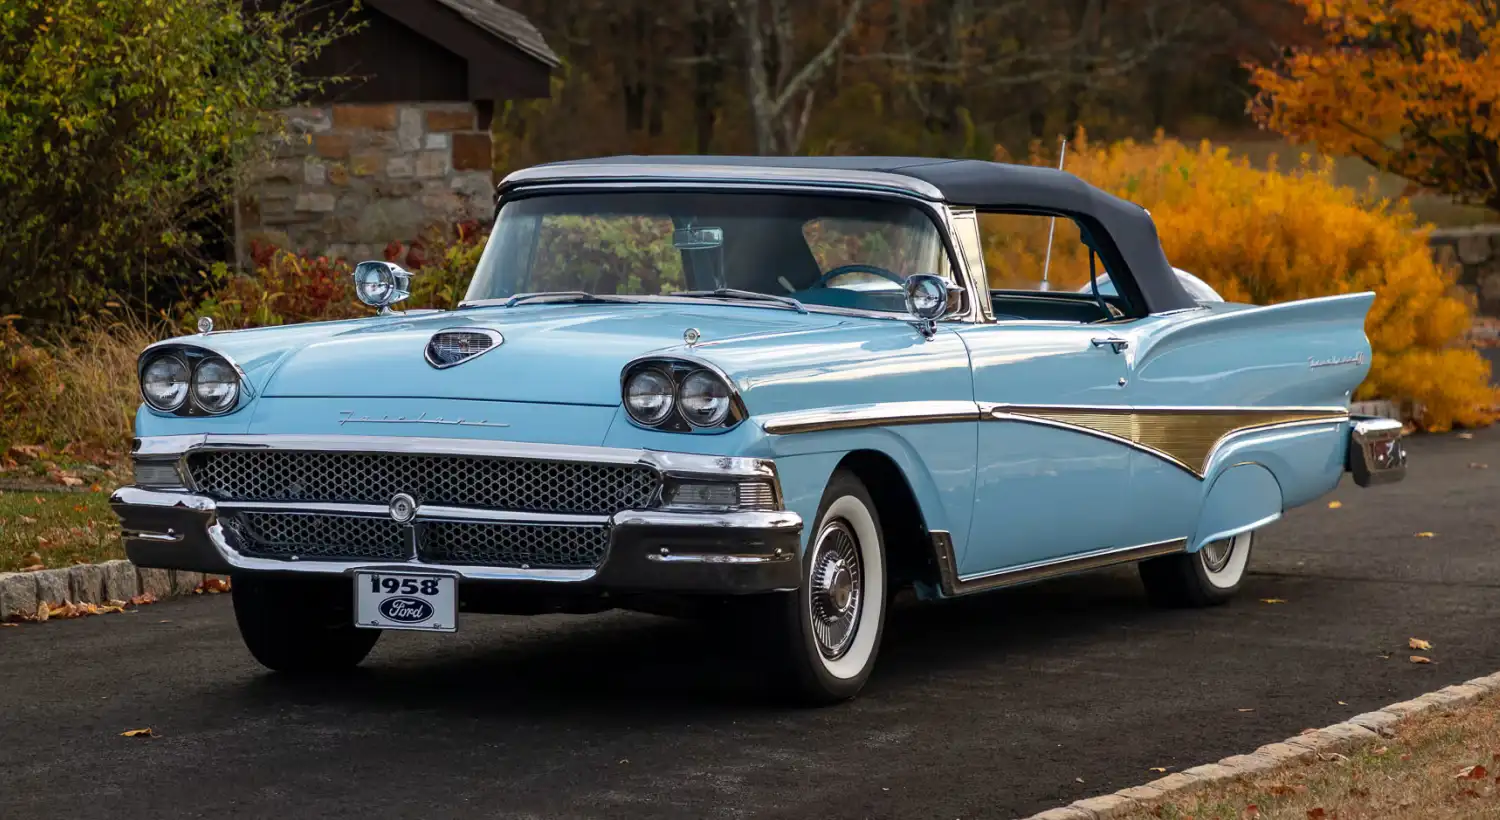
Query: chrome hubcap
point(836, 588)
point(1216, 555)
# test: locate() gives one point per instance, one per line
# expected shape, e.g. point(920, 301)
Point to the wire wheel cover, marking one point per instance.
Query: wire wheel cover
point(1216, 555)
point(836, 589)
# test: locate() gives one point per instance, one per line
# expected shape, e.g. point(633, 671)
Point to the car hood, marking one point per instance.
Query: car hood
point(564, 354)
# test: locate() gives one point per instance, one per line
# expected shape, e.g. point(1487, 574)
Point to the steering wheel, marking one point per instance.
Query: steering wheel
point(857, 268)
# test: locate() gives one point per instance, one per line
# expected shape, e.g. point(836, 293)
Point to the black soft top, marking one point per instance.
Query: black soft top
point(1122, 231)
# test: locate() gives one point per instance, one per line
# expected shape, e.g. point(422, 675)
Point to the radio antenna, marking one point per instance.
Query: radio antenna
point(1052, 228)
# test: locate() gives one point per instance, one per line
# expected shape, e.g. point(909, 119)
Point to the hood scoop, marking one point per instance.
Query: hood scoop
point(455, 346)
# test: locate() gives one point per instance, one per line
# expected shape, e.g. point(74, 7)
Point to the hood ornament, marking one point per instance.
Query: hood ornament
point(691, 336)
point(456, 345)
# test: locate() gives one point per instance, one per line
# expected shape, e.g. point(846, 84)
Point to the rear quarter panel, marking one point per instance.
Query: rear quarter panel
point(1309, 353)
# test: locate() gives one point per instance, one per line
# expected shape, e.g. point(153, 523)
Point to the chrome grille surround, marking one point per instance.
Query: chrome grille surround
point(480, 482)
point(527, 546)
point(317, 536)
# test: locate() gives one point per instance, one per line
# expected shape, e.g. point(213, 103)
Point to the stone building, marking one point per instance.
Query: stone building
point(404, 145)
point(1475, 254)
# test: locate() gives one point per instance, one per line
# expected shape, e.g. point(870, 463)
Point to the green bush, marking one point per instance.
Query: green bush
point(121, 122)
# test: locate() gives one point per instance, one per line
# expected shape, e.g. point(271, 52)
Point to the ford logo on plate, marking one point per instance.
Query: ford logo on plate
point(406, 610)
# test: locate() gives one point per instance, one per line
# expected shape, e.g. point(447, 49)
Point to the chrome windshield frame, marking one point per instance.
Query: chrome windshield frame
point(872, 185)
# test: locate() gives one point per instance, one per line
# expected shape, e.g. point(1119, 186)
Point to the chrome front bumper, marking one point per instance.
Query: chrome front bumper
point(663, 550)
point(1376, 452)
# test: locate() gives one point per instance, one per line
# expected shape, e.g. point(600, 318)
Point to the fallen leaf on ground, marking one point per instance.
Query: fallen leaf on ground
point(34, 568)
point(1316, 814)
point(1420, 659)
point(26, 519)
point(8, 624)
point(1418, 643)
point(1333, 505)
point(1244, 710)
point(146, 732)
point(1465, 435)
point(142, 599)
point(1158, 769)
point(1273, 600)
point(1478, 465)
point(1341, 703)
point(1079, 779)
point(1471, 773)
point(1380, 750)
point(1426, 534)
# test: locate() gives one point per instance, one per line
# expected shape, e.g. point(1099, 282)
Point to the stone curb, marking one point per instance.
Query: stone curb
point(1341, 738)
point(22, 592)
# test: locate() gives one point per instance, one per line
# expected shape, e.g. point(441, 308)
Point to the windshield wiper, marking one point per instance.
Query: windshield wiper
point(734, 293)
point(561, 296)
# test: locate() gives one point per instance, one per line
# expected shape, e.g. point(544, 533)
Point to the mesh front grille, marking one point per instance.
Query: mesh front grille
point(514, 545)
point(282, 535)
point(459, 481)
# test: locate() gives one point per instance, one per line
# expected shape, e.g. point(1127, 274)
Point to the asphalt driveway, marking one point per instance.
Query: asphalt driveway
point(987, 707)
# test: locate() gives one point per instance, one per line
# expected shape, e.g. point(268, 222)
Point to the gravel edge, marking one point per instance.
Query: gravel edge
point(21, 593)
point(1358, 731)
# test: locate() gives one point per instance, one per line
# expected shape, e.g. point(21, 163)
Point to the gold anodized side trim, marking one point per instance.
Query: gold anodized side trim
point(1185, 436)
point(954, 585)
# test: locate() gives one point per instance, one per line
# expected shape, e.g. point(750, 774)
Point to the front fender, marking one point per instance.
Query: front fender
point(936, 460)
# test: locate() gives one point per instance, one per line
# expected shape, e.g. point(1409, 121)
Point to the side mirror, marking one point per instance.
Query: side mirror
point(381, 284)
point(930, 298)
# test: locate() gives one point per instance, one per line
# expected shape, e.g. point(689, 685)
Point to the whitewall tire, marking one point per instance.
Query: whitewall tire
point(1210, 576)
point(828, 632)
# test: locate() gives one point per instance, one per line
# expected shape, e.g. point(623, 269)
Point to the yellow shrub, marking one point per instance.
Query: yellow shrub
point(1267, 236)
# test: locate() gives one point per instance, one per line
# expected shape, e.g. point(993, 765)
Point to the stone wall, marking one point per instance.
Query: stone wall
point(351, 178)
point(1475, 252)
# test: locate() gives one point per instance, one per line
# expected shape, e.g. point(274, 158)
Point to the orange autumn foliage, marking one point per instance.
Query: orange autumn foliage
point(1411, 86)
point(1272, 236)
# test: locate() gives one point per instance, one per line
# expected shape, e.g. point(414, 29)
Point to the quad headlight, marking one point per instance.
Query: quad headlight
point(190, 381)
point(164, 382)
point(215, 385)
point(649, 396)
point(679, 396)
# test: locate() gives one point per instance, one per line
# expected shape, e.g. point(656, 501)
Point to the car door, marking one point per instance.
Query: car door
point(1046, 487)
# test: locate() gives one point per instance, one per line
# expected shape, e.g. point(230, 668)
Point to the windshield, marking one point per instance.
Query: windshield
point(820, 250)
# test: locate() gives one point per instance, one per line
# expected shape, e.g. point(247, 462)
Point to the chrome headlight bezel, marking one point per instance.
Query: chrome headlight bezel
point(193, 359)
point(677, 371)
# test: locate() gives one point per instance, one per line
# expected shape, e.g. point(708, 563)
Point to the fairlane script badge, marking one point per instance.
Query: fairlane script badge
point(1358, 358)
point(348, 417)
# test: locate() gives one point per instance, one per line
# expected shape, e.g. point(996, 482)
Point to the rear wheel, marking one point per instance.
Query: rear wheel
point(828, 632)
point(1208, 577)
point(300, 625)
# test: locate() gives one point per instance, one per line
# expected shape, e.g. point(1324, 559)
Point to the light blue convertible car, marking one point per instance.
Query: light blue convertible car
point(774, 391)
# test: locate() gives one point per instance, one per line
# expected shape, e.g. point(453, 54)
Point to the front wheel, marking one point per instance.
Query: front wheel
point(300, 625)
point(828, 632)
point(1208, 577)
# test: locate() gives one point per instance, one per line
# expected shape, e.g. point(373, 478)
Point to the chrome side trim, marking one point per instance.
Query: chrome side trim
point(665, 557)
point(711, 173)
point(884, 414)
point(954, 584)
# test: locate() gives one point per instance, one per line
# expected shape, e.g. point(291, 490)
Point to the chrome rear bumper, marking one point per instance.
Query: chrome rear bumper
point(1376, 453)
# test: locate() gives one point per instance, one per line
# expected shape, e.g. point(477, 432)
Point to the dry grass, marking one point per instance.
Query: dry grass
point(56, 529)
point(76, 395)
point(1439, 766)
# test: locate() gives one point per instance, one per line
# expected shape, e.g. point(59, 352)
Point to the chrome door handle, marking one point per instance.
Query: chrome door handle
point(1115, 343)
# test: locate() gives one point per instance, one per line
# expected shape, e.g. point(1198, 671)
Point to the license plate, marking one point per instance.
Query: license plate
point(395, 600)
